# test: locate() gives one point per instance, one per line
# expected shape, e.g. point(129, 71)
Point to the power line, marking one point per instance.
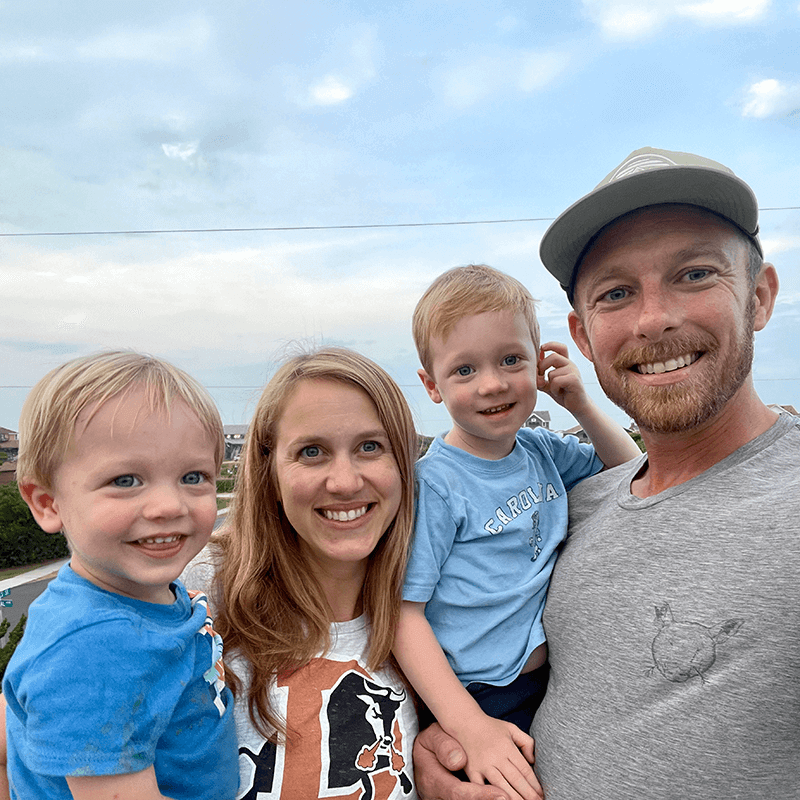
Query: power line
point(283, 228)
point(275, 229)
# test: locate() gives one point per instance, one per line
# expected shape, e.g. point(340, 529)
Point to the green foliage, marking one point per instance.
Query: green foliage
point(22, 541)
point(224, 485)
point(637, 437)
point(3, 456)
point(13, 640)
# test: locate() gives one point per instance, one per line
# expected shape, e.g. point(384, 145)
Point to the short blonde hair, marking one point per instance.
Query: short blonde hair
point(50, 411)
point(461, 292)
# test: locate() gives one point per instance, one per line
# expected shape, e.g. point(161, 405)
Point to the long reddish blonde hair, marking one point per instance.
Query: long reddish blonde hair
point(269, 608)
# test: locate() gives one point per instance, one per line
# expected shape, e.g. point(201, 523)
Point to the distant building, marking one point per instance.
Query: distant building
point(234, 441)
point(539, 419)
point(8, 472)
point(578, 432)
point(9, 443)
point(788, 408)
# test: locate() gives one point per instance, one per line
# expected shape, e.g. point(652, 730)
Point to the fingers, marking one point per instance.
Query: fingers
point(445, 749)
point(435, 754)
point(524, 742)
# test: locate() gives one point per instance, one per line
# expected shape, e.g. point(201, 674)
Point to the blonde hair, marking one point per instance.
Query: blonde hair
point(461, 292)
point(48, 417)
point(269, 607)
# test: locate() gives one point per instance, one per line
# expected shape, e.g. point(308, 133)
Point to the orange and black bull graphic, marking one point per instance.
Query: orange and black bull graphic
point(367, 713)
point(359, 753)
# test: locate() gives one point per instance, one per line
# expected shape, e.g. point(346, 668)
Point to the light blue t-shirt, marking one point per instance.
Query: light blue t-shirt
point(485, 543)
point(103, 684)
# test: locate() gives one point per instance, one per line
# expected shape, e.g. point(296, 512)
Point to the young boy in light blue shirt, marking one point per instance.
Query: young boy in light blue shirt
point(492, 511)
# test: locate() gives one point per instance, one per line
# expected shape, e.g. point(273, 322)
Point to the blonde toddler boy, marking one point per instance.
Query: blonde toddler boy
point(117, 688)
point(492, 510)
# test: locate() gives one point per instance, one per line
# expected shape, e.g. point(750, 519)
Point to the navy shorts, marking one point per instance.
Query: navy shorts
point(516, 702)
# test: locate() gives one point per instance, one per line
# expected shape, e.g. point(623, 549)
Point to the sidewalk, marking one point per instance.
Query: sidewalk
point(34, 575)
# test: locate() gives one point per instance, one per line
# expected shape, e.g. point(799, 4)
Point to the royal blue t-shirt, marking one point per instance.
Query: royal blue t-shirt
point(103, 684)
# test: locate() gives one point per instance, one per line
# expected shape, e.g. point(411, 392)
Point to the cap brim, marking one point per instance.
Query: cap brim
point(566, 239)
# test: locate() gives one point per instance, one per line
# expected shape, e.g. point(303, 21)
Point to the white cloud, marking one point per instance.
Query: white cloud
point(636, 19)
point(181, 150)
point(23, 52)
point(507, 24)
point(724, 12)
point(347, 68)
point(773, 245)
point(771, 98)
point(330, 91)
point(525, 71)
point(174, 40)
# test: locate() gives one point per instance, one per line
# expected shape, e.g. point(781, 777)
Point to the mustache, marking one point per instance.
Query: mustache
point(663, 351)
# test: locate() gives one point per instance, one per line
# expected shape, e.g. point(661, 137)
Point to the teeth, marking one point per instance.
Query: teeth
point(345, 516)
point(657, 367)
point(159, 540)
point(495, 409)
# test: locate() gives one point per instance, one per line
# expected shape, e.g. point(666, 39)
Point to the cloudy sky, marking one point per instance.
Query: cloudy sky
point(184, 116)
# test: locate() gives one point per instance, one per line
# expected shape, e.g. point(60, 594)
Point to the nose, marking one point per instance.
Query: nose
point(344, 476)
point(491, 382)
point(165, 502)
point(657, 314)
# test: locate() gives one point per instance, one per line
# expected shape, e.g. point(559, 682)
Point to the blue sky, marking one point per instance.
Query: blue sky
point(190, 115)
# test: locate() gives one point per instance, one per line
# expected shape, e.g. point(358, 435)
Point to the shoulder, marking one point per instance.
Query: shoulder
point(199, 573)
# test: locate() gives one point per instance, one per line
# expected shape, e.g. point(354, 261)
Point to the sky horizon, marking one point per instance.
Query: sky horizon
point(337, 116)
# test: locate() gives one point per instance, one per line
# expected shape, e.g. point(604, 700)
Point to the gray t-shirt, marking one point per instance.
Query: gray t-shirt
point(673, 624)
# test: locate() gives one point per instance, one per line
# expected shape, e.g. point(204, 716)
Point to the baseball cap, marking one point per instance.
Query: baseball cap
point(646, 177)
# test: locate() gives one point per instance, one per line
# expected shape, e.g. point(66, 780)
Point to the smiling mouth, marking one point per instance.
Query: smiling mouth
point(345, 516)
point(497, 409)
point(670, 365)
point(159, 539)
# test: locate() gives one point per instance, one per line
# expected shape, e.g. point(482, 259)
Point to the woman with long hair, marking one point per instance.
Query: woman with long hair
point(306, 583)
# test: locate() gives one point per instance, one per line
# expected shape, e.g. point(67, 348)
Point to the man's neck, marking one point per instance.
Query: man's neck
point(674, 458)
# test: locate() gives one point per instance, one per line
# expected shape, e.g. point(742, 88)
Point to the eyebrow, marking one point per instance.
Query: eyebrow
point(315, 438)
point(699, 251)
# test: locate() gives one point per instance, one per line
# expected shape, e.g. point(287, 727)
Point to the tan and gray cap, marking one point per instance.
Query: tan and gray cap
point(647, 177)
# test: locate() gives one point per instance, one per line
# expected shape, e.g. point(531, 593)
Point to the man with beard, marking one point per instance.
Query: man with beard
point(673, 616)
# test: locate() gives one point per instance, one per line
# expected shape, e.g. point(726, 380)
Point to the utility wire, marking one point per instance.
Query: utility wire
point(284, 228)
point(307, 227)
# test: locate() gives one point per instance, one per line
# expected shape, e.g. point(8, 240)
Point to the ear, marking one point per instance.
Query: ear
point(766, 292)
point(42, 504)
point(430, 386)
point(579, 335)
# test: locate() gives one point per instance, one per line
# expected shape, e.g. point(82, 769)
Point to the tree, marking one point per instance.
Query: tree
point(22, 541)
point(11, 645)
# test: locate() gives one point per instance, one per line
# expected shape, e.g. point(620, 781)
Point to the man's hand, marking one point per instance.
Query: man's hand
point(436, 756)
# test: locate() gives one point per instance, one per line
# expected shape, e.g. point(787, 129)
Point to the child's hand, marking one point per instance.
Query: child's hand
point(563, 382)
point(499, 753)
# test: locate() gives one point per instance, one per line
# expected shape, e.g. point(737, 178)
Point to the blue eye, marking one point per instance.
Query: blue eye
point(695, 275)
point(126, 481)
point(194, 478)
point(311, 451)
point(615, 294)
point(510, 361)
point(464, 371)
point(370, 447)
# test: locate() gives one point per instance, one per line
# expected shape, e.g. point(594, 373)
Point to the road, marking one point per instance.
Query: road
point(22, 596)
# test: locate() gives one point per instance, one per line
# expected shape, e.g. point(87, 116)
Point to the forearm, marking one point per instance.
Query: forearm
point(612, 443)
point(423, 661)
point(132, 786)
